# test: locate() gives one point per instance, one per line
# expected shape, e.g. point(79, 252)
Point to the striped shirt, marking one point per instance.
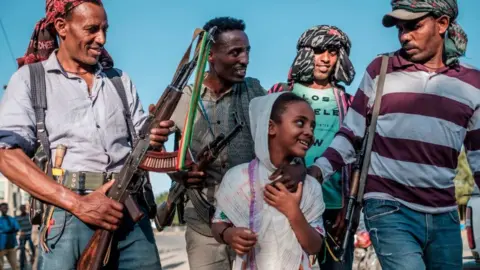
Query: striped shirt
point(425, 118)
point(25, 225)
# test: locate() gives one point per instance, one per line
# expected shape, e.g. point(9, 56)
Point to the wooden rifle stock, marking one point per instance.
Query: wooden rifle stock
point(93, 257)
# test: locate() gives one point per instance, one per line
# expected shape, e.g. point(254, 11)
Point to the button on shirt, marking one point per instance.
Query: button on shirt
point(92, 126)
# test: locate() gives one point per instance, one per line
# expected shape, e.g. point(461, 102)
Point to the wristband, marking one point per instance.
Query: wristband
point(222, 233)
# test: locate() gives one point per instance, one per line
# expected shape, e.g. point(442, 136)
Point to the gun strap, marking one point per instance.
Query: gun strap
point(372, 127)
point(115, 78)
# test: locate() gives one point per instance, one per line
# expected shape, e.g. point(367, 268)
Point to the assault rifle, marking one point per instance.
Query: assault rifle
point(362, 164)
point(166, 211)
point(130, 180)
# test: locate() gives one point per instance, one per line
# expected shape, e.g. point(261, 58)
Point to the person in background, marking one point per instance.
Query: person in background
point(25, 236)
point(8, 237)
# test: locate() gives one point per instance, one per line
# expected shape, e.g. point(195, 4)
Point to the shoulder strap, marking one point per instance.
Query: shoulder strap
point(372, 127)
point(115, 78)
point(39, 103)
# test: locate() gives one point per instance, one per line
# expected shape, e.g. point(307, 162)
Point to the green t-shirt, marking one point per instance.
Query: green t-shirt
point(327, 121)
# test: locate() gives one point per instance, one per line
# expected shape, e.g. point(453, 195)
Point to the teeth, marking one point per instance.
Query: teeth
point(303, 142)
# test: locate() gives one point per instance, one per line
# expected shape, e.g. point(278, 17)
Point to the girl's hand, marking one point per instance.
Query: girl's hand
point(286, 202)
point(242, 240)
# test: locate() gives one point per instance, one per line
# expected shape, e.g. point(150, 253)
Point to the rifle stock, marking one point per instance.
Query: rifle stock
point(93, 257)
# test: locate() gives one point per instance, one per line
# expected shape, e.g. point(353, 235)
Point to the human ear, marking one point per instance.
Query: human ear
point(442, 23)
point(272, 128)
point(61, 27)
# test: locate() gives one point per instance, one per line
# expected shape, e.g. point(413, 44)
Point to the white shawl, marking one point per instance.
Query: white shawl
point(277, 246)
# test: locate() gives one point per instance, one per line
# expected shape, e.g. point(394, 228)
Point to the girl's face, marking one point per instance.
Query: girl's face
point(294, 133)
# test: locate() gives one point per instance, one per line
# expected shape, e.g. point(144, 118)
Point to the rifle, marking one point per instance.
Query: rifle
point(362, 164)
point(166, 211)
point(130, 179)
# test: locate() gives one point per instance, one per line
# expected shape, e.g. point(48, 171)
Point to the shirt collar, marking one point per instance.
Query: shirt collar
point(52, 65)
point(399, 62)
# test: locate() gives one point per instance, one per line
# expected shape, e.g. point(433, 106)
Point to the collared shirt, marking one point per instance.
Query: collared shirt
point(8, 232)
point(208, 124)
point(425, 118)
point(92, 126)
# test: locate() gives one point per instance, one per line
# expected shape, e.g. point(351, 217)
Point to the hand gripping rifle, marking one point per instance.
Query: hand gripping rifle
point(362, 164)
point(129, 181)
point(166, 211)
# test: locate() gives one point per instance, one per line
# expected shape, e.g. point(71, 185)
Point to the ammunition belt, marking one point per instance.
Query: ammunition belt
point(84, 182)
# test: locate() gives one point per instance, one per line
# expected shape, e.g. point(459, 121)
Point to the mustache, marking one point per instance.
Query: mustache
point(408, 46)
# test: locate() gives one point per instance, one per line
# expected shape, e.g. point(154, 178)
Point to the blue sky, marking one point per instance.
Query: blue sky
point(147, 38)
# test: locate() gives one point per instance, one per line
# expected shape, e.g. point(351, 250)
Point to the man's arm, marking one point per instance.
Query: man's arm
point(341, 151)
point(472, 145)
point(17, 138)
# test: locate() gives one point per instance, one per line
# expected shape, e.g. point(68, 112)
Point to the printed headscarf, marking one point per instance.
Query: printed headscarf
point(43, 41)
point(455, 39)
point(322, 37)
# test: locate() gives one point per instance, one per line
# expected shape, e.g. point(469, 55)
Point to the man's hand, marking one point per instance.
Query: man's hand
point(290, 175)
point(99, 210)
point(159, 134)
point(316, 173)
point(241, 240)
point(283, 200)
point(338, 228)
point(191, 178)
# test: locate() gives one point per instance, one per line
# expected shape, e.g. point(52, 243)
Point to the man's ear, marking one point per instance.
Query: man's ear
point(272, 128)
point(61, 27)
point(442, 23)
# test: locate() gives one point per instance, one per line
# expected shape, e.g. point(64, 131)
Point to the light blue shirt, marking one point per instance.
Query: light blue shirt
point(93, 127)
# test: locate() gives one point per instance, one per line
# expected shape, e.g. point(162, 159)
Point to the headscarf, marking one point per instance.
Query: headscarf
point(322, 37)
point(43, 41)
point(455, 38)
point(277, 246)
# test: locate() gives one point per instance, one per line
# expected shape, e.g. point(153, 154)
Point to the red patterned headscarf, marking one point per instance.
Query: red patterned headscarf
point(43, 41)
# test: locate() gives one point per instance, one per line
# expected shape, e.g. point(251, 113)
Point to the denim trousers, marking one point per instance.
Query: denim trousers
point(133, 246)
point(24, 239)
point(407, 239)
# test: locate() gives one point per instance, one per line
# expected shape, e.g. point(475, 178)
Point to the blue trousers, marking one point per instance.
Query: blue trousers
point(24, 239)
point(133, 247)
point(407, 239)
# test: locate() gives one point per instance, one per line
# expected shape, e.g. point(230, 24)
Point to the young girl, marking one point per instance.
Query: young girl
point(265, 224)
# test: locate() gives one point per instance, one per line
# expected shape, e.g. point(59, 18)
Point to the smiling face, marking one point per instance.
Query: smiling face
point(325, 61)
point(293, 133)
point(421, 39)
point(83, 32)
point(229, 56)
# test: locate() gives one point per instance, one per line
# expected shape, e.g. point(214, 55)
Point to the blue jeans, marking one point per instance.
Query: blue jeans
point(406, 239)
point(24, 239)
point(133, 247)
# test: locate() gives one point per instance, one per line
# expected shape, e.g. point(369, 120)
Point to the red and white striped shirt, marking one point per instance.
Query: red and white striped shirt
point(425, 118)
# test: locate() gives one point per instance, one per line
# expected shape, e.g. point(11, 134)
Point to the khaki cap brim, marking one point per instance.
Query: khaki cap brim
point(391, 18)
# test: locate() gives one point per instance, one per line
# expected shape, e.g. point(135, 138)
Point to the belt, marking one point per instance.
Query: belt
point(86, 181)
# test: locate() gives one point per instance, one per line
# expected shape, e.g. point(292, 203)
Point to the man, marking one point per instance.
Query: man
point(322, 62)
point(430, 107)
point(85, 113)
point(225, 96)
point(8, 238)
point(25, 236)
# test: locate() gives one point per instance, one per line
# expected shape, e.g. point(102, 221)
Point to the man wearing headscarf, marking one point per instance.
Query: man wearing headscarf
point(84, 113)
point(321, 64)
point(430, 108)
